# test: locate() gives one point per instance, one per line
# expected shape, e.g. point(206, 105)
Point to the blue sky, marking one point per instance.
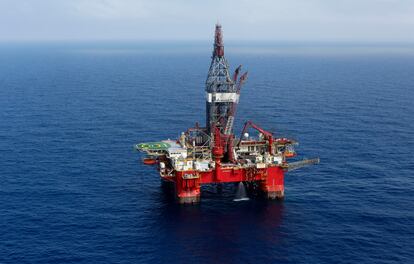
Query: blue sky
point(274, 20)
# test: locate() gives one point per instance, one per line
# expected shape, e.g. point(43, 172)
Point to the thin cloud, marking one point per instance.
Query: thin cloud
point(306, 20)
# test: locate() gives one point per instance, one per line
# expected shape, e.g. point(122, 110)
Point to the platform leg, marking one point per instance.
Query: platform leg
point(188, 191)
point(272, 195)
point(273, 184)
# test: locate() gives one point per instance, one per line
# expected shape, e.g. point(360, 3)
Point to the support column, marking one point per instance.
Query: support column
point(273, 185)
point(187, 187)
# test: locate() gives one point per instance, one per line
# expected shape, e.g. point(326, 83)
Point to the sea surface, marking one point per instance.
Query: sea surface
point(73, 190)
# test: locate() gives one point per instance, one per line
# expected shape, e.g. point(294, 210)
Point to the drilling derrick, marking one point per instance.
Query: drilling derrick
point(220, 88)
point(212, 154)
point(222, 95)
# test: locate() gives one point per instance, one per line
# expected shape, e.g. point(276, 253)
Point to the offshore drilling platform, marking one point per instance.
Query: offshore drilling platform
point(212, 154)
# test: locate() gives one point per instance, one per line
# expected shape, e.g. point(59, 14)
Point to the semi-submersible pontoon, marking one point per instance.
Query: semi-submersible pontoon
point(212, 154)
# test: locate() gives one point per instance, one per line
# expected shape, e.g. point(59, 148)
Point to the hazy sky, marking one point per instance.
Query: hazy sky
point(307, 20)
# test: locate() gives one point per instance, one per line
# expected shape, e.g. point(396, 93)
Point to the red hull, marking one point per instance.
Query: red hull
point(187, 183)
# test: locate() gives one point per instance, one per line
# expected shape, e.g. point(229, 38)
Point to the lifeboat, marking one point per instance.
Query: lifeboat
point(289, 154)
point(149, 161)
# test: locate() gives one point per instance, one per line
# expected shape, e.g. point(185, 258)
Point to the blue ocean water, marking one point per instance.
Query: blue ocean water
point(73, 190)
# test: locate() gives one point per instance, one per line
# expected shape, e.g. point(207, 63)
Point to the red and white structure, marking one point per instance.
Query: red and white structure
point(212, 154)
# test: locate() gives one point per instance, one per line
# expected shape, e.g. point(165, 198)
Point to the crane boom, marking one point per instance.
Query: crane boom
point(267, 134)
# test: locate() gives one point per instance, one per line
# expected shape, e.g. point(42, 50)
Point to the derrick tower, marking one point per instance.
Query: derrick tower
point(222, 91)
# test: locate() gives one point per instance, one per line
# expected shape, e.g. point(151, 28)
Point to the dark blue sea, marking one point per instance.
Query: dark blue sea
point(73, 190)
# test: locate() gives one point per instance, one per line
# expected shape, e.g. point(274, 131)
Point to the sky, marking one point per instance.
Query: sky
point(252, 20)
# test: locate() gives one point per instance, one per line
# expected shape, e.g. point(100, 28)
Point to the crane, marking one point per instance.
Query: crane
point(267, 135)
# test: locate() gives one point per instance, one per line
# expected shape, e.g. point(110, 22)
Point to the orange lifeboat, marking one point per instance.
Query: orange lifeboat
point(289, 154)
point(149, 161)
